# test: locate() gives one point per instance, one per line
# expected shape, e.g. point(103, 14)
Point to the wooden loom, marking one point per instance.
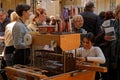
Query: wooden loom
point(64, 41)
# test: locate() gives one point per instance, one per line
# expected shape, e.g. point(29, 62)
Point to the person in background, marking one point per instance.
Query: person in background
point(47, 21)
point(4, 20)
point(91, 20)
point(114, 45)
point(110, 45)
point(9, 48)
point(52, 20)
point(102, 40)
point(22, 50)
point(115, 72)
point(40, 17)
point(102, 16)
point(78, 24)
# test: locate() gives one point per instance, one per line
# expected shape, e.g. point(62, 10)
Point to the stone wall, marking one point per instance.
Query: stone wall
point(55, 7)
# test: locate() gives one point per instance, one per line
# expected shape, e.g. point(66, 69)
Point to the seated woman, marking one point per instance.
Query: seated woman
point(89, 52)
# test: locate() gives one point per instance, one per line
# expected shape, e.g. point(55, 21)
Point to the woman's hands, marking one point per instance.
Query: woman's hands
point(80, 59)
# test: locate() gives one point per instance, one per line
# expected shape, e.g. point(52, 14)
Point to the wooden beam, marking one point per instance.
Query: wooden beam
point(92, 68)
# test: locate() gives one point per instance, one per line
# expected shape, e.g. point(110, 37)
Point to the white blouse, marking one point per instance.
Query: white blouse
point(8, 34)
point(93, 54)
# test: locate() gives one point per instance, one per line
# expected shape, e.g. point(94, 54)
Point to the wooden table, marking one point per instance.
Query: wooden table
point(27, 74)
point(31, 73)
point(84, 72)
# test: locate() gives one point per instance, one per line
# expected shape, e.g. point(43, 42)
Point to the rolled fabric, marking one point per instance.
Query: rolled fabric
point(28, 39)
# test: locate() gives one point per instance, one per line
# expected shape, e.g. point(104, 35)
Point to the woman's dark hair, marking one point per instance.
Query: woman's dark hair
point(109, 15)
point(9, 12)
point(102, 15)
point(90, 36)
point(22, 7)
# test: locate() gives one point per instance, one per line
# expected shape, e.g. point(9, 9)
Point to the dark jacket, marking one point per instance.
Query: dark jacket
point(91, 22)
point(3, 25)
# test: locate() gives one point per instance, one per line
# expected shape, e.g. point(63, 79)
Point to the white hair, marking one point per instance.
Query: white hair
point(77, 17)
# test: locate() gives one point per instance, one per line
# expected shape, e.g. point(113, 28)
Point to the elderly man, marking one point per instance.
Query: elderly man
point(4, 20)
